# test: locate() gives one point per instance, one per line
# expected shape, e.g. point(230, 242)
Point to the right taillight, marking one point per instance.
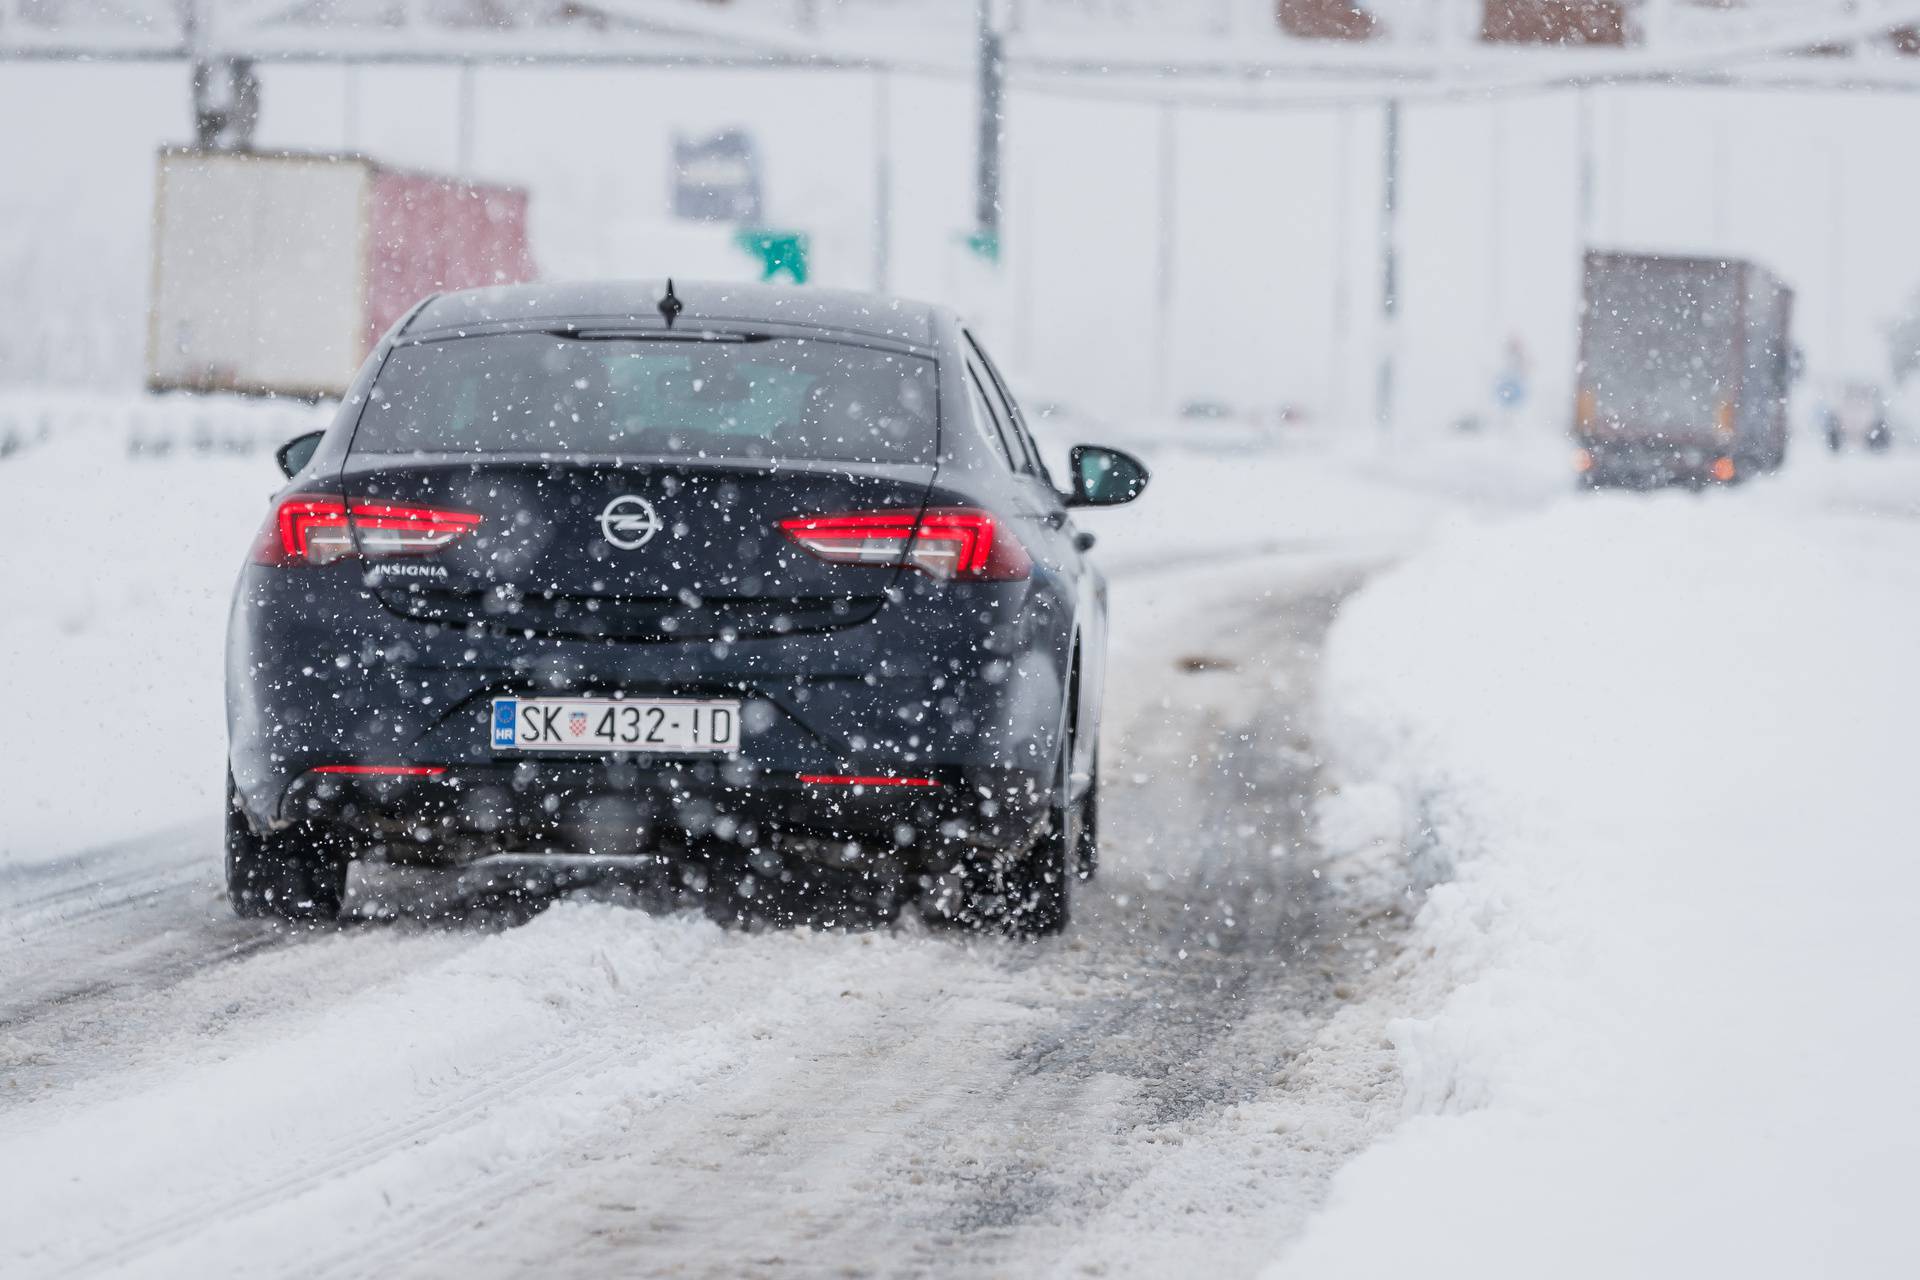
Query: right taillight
point(947, 543)
point(311, 528)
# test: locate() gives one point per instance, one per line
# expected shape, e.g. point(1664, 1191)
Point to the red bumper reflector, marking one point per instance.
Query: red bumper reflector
point(384, 770)
point(858, 780)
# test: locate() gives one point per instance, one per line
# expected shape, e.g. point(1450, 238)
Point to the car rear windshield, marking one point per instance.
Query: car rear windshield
point(774, 398)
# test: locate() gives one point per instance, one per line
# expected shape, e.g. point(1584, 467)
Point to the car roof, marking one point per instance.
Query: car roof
point(636, 302)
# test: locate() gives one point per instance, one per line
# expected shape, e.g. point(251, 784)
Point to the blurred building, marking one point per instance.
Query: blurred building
point(1566, 22)
point(1326, 20)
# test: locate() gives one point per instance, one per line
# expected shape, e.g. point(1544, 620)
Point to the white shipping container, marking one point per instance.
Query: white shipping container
point(260, 268)
point(277, 273)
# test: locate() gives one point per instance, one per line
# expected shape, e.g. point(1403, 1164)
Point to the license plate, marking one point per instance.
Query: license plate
point(671, 726)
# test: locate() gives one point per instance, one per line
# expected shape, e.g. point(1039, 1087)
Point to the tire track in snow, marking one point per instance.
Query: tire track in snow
point(1192, 977)
point(367, 1145)
point(41, 897)
point(136, 916)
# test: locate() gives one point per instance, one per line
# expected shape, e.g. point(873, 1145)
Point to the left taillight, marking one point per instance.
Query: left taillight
point(942, 542)
point(310, 528)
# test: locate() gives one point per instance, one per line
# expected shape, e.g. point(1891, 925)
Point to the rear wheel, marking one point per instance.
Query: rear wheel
point(1038, 885)
point(296, 874)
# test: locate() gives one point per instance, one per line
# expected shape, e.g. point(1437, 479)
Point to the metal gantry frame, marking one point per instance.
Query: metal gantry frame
point(1233, 66)
point(1830, 45)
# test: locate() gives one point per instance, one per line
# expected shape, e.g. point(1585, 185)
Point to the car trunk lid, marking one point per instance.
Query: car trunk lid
point(626, 549)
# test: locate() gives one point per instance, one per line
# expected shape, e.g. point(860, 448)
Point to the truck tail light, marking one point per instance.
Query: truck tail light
point(942, 542)
point(309, 528)
point(1723, 420)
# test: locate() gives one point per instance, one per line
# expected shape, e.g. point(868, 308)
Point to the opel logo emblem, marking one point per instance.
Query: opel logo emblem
point(629, 521)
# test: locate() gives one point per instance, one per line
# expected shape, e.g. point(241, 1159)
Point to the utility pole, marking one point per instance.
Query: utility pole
point(986, 207)
point(1837, 255)
point(1338, 392)
point(1496, 222)
point(1722, 179)
point(1389, 269)
point(350, 108)
point(882, 178)
point(1583, 125)
point(463, 138)
point(1167, 230)
point(226, 92)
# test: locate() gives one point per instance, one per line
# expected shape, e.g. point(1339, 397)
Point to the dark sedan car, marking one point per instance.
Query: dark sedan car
point(682, 575)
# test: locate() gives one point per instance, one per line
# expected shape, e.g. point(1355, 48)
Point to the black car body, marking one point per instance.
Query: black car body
point(801, 538)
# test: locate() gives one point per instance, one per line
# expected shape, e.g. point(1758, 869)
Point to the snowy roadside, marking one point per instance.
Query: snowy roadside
point(124, 520)
point(1657, 752)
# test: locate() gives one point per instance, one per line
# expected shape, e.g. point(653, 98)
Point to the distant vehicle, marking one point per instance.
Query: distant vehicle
point(1684, 369)
point(786, 581)
point(276, 274)
point(1207, 411)
point(1856, 416)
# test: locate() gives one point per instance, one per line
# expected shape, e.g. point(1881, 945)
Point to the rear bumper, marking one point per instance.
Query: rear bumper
point(965, 687)
point(617, 807)
point(1647, 464)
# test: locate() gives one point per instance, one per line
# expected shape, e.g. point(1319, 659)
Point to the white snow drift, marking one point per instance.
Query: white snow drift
point(1660, 753)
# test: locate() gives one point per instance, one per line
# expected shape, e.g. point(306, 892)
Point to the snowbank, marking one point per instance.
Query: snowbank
point(124, 522)
point(1659, 754)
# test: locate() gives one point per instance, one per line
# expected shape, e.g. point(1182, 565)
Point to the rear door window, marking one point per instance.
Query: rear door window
point(1016, 422)
point(781, 398)
point(998, 435)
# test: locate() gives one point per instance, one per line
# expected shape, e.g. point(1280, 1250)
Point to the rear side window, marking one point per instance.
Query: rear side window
point(1016, 422)
point(780, 398)
point(987, 415)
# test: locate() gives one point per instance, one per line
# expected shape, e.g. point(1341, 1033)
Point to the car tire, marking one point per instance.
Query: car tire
point(1038, 885)
point(286, 875)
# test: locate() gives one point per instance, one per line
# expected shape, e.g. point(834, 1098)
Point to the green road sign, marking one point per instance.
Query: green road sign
point(780, 252)
point(985, 244)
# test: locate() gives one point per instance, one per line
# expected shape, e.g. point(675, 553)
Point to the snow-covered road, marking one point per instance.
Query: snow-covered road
point(610, 1090)
point(1371, 981)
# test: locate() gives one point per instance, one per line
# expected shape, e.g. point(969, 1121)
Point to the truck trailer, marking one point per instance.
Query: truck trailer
point(276, 274)
point(1685, 364)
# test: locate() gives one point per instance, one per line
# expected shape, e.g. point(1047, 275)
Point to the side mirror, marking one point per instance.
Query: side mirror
point(1104, 477)
point(295, 453)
